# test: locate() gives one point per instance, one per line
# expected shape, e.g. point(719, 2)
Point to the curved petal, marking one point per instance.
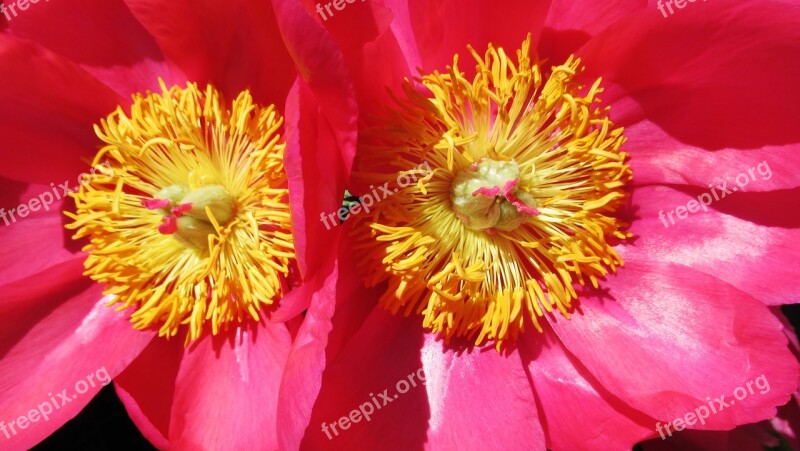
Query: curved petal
point(757, 259)
point(577, 412)
point(316, 180)
point(321, 66)
point(460, 381)
point(331, 320)
point(37, 242)
point(48, 375)
point(430, 45)
point(226, 391)
point(570, 24)
point(385, 350)
point(707, 93)
point(49, 106)
point(148, 394)
point(412, 390)
point(235, 45)
point(668, 340)
point(102, 37)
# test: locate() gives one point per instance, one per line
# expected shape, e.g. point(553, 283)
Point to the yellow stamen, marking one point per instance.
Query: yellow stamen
point(476, 261)
point(217, 172)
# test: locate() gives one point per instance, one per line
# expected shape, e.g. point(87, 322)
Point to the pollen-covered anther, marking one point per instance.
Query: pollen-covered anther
point(192, 226)
point(520, 205)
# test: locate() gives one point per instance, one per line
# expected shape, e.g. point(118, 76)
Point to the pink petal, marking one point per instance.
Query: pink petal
point(316, 180)
point(468, 385)
point(384, 355)
point(148, 394)
point(578, 412)
point(37, 242)
point(757, 259)
point(235, 45)
point(321, 65)
point(49, 106)
point(663, 338)
point(693, 112)
point(318, 341)
point(570, 24)
point(429, 45)
point(226, 391)
point(69, 348)
point(104, 38)
point(384, 350)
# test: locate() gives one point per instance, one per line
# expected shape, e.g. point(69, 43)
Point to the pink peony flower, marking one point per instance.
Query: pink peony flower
point(192, 221)
point(566, 276)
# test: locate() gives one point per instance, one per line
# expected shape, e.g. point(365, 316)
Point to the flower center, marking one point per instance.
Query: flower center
point(520, 204)
point(486, 196)
point(192, 225)
point(190, 215)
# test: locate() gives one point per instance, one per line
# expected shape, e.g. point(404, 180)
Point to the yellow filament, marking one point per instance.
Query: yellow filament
point(189, 137)
point(486, 286)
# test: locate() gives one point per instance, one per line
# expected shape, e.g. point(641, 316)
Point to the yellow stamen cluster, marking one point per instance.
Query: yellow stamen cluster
point(189, 138)
point(483, 284)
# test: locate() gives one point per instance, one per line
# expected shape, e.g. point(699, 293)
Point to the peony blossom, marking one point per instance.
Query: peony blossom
point(187, 255)
point(585, 266)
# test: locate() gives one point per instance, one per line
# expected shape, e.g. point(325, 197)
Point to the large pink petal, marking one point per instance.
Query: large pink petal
point(467, 386)
point(74, 349)
point(385, 350)
point(415, 391)
point(430, 45)
point(562, 384)
point(757, 259)
point(35, 243)
point(570, 24)
point(147, 388)
point(707, 93)
point(102, 36)
point(667, 339)
point(49, 106)
point(339, 305)
point(235, 45)
point(316, 179)
point(321, 65)
point(226, 391)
